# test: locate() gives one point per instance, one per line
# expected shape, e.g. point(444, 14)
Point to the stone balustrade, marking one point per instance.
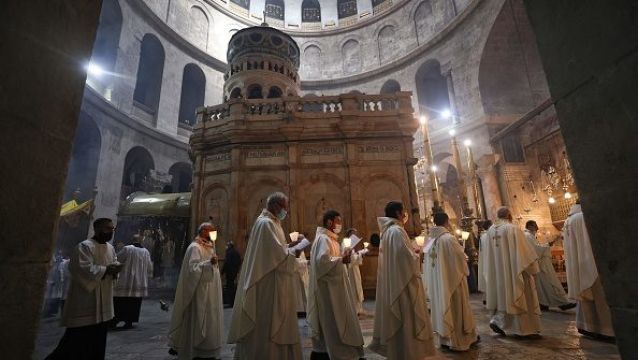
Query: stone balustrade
point(399, 102)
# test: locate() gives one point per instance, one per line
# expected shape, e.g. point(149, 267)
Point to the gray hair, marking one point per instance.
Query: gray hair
point(204, 225)
point(503, 212)
point(275, 199)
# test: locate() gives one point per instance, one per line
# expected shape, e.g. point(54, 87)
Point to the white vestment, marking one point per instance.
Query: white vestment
point(402, 328)
point(583, 284)
point(264, 324)
point(354, 274)
point(509, 273)
point(550, 290)
point(481, 262)
point(197, 323)
point(332, 316)
point(90, 298)
point(133, 279)
point(445, 271)
point(302, 284)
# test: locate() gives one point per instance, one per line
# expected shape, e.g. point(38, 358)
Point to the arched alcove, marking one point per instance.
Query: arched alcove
point(107, 38)
point(84, 160)
point(198, 25)
point(137, 166)
point(424, 22)
point(351, 54)
point(254, 91)
point(432, 93)
point(274, 92)
point(312, 62)
point(193, 92)
point(390, 87)
point(148, 85)
point(388, 43)
point(182, 176)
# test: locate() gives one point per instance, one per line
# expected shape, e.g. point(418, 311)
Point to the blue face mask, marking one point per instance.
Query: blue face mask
point(282, 214)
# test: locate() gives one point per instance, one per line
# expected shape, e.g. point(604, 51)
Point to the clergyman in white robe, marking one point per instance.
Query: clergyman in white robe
point(132, 283)
point(89, 305)
point(445, 271)
point(593, 316)
point(510, 288)
point(197, 322)
point(302, 284)
point(332, 316)
point(264, 323)
point(402, 328)
point(550, 290)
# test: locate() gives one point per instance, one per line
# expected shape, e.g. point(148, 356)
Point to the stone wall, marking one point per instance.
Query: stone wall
point(45, 45)
point(590, 57)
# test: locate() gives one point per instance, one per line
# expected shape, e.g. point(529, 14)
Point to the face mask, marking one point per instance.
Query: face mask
point(282, 214)
point(337, 229)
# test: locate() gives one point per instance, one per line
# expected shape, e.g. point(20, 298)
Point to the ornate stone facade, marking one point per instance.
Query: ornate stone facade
point(352, 153)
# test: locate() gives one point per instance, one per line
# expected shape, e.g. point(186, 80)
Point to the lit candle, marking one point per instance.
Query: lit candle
point(346, 242)
point(213, 235)
point(366, 244)
point(420, 240)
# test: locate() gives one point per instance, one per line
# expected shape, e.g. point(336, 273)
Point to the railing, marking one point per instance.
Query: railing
point(308, 104)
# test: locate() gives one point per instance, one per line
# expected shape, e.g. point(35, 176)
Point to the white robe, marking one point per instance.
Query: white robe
point(481, 262)
point(550, 290)
point(402, 328)
point(354, 274)
point(332, 316)
point(583, 283)
point(445, 271)
point(264, 324)
point(302, 284)
point(133, 279)
point(509, 273)
point(90, 298)
point(197, 322)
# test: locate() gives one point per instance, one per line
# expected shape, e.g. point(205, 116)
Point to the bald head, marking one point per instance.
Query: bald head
point(504, 213)
point(277, 201)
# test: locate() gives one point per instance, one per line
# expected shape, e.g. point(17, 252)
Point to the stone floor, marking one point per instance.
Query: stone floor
point(560, 340)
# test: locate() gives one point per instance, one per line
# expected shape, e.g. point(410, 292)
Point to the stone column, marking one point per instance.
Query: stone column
point(45, 46)
point(452, 97)
point(489, 181)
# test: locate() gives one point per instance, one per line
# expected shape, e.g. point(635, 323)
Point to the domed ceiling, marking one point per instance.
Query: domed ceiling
point(308, 15)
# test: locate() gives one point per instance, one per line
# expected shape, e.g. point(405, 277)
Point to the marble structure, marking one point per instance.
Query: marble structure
point(350, 152)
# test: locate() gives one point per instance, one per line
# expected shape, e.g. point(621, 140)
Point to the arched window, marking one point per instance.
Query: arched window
point(274, 92)
point(107, 37)
point(182, 177)
point(137, 167)
point(245, 4)
point(310, 11)
point(149, 74)
point(346, 8)
point(193, 89)
point(254, 92)
point(275, 9)
point(390, 87)
point(235, 93)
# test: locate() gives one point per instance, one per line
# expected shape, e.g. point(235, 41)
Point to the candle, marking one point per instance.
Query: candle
point(213, 235)
point(420, 240)
point(366, 244)
point(346, 242)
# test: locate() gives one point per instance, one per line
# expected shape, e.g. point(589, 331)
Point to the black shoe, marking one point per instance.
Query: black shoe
point(529, 337)
point(319, 356)
point(172, 351)
point(567, 306)
point(544, 307)
point(127, 326)
point(596, 336)
point(497, 329)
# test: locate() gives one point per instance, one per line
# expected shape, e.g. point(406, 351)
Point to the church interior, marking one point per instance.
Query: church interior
point(164, 114)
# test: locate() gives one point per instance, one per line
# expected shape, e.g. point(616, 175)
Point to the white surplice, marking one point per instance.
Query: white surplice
point(550, 290)
point(583, 283)
point(197, 322)
point(133, 279)
point(402, 328)
point(264, 324)
point(445, 271)
point(90, 297)
point(302, 284)
point(509, 272)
